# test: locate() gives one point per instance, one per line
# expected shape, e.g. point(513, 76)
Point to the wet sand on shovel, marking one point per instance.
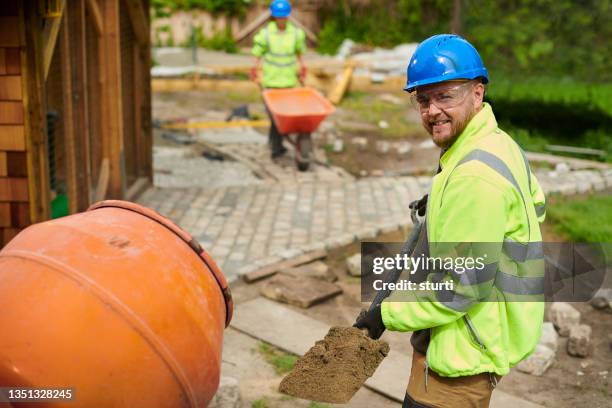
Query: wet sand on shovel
point(336, 367)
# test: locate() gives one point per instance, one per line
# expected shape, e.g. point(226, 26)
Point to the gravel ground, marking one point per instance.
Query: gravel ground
point(181, 167)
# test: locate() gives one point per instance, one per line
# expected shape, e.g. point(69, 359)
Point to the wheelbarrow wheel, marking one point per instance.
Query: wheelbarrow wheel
point(304, 151)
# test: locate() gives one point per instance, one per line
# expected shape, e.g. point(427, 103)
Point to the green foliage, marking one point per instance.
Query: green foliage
point(542, 37)
point(539, 111)
point(220, 41)
point(233, 8)
point(585, 219)
point(281, 361)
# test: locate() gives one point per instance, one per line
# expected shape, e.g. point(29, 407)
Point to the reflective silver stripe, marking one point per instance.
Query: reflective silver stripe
point(279, 64)
point(523, 252)
point(476, 276)
point(500, 167)
point(527, 168)
point(449, 298)
point(540, 210)
point(274, 54)
point(454, 300)
point(519, 285)
point(493, 162)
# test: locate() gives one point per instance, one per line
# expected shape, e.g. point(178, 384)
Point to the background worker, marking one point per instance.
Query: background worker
point(278, 48)
point(467, 338)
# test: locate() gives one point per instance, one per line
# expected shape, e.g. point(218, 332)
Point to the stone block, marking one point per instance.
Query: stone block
point(301, 292)
point(579, 343)
point(228, 394)
point(602, 300)
point(563, 316)
point(549, 338)
point(353, 265)
point(537, 363)
point(314, 270)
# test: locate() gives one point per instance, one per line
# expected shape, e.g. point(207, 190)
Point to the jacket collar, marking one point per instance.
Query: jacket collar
point(274, 28)
point(482, 124)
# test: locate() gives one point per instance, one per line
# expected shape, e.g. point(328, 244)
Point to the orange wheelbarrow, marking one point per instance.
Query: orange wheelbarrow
point(297, 112)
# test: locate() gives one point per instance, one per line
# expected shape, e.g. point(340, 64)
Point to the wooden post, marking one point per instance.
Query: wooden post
point(111, 98)
point(68, 121)
point(80, 108)
point(34, 106)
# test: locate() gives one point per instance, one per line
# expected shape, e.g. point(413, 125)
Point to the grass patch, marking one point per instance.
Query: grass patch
point(583, 219)
point(260, 403)
point(317, 405)
point(281, 361)
point(369, 108)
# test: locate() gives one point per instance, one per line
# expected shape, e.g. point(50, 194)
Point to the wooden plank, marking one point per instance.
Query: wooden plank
point(576, 150)
point(137, 188)
point(337, 93)
point(12, 138)
point(96, 14)
point(575, 164)
point(252, 26)
point(20, 215)
point(2, 61)
point(10, 88)
point(12, 61)
point(11, 113)
point(139, 141)
point(50, 35)
point(139, 20)
point(3, 164)
point(270, 270)
point(8, 234)
point(112, 100)
point(5, 215)
point(35, 121)
point(102, 185)
point(9, 32)
point(77, 26)
point(16, 164)
point(13, 189)
point(309, 34)
point(70, 153)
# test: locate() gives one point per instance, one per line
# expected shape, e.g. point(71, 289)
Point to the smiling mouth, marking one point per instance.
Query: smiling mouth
point(439, 122)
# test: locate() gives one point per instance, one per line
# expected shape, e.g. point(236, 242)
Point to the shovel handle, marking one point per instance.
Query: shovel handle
point(394, 275)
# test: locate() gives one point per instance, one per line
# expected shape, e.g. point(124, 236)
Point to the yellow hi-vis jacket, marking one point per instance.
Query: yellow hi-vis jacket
point(279, 50)
point(492, 317)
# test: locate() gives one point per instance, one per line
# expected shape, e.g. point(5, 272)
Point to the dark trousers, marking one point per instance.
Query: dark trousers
point(275, 138)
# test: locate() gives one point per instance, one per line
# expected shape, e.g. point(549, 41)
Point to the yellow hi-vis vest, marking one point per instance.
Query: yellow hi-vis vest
point(279, 50)
point(492, 318)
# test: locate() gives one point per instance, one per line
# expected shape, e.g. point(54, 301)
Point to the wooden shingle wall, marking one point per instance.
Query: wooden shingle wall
point(14, 197)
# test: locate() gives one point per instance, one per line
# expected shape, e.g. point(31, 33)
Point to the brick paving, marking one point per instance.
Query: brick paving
point(248, 227)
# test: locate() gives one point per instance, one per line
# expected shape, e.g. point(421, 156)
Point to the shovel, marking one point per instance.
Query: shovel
point(335, 368)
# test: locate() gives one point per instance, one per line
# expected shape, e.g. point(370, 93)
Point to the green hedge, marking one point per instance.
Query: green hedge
point(541, 111)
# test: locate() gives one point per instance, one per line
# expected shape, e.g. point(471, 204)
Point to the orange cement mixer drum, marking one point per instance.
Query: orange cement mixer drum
point(117, 303)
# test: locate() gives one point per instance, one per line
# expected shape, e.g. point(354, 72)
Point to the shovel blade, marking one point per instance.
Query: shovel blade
point(335, 368)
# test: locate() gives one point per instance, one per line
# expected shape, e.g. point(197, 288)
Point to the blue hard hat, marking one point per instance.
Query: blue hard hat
point(280, 8)
point(444, 57)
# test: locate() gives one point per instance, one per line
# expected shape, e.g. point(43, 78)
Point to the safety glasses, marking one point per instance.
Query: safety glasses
point(443, 99)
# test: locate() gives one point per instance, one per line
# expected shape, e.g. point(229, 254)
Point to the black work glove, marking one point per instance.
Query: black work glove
point(372, 321)
point(419, 205)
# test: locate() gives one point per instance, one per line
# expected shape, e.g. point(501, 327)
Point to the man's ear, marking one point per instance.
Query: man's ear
point(479, 91)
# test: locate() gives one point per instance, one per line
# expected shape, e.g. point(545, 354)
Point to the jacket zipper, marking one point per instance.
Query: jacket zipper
point(473, 332)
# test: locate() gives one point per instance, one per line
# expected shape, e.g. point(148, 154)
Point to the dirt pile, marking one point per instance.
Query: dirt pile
point(336, 367)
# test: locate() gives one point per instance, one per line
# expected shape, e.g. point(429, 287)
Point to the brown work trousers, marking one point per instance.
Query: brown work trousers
point(429, 390)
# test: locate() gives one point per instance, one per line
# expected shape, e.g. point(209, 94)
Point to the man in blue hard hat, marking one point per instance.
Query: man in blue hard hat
point(466, 338)
point(278, 49)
